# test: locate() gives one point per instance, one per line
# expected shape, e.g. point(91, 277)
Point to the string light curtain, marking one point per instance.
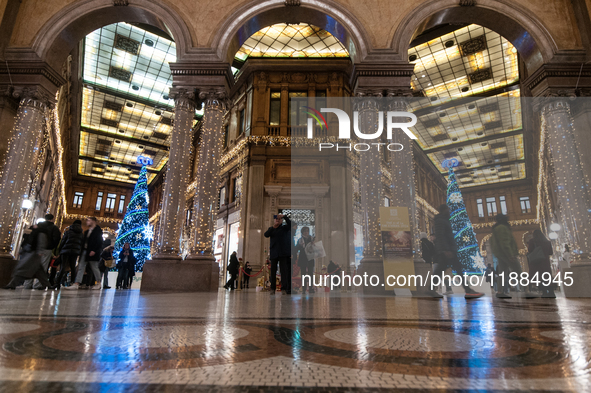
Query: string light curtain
point(572, 182)
point(403, 179)
point(370, 179)
point(205, 200)
point(177, 173)
point(21, 155)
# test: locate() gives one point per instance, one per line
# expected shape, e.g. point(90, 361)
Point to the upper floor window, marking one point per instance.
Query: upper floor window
point(491, 206)
point(226, 132)
point(222, 196)
point(275, 109)
point(241, 120)
point(387, 202)
point(503, 204)
point(297, 114)
point(121, 204)
point(78, 197)
point(480, 207)
point(321, 100)
point(525, 205)
point(99, 201)
point(110, 204)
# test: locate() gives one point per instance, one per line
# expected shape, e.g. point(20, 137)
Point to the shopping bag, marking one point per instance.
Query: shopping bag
point(315, 250)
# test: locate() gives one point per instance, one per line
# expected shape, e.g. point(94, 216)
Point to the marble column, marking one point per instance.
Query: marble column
point(204, 202)
point(572, 179)
point(370, 181)
point(402, 169)
point(177, 173)
point(370, 185)
point(21, 156)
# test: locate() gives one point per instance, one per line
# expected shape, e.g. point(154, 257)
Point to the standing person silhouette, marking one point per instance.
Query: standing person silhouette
point(280, 249)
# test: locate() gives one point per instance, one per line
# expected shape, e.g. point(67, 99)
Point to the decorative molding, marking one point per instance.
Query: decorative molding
point(33, 68)
point(408, 73)
point(292, 3)
point(120, 3)
point(200, 71)
point(467, 3)
point(546, 72)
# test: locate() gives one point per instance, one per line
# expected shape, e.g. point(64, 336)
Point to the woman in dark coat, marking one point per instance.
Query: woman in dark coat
point(233, 270)
point(69, 250)
point(126, 260)
point(306, 265)
point(539, 240)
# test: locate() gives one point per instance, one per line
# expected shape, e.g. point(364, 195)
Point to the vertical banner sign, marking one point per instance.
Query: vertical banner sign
point(397, 247)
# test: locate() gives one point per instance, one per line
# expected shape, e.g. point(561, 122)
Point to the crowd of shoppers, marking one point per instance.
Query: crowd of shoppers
point(83, 254)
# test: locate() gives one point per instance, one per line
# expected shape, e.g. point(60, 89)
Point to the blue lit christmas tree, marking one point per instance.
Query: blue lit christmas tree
point(468, 252)
point(135, 228)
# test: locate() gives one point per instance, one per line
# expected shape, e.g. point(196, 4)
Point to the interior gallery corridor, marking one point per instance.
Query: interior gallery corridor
point(295, 195)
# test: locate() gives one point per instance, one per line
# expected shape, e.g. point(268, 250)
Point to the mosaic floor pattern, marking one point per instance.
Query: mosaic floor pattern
point(98, 341)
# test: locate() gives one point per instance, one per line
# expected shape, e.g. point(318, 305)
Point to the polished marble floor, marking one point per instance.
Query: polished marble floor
point(124, 341)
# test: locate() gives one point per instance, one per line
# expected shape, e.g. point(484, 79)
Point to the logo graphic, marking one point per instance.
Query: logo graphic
point(316, 116)
point(392, 122)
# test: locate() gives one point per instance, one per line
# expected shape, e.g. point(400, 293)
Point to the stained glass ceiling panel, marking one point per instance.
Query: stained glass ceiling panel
point(118, 116)
point(130, 60)
point(479, 69)
point(472, 119)
point(126, 111)
point(293, 40)
point(462, 63)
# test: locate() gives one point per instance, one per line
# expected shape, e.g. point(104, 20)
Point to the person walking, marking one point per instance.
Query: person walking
point(564, 262)
point(131, 271)
point(280, 251)
point(105, 264)
point(92, 246)
point(333, 269)
point(306, 265)
point(488, 274)
point(427, 248)
point(54, 236)
point(30, 265)
point(446, 252)
point(69, 250)
point(126, 261)
point(233, 270)
point(504, 248)
point(539, 250)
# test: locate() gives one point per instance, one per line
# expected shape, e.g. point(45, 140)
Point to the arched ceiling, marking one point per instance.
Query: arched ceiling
point(469, 77)
point(125, 111)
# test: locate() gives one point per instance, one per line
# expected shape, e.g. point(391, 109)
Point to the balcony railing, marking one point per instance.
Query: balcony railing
point(296, 131)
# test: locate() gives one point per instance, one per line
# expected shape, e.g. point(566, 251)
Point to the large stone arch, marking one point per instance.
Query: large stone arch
point(68, 27)
point(326, 14)
point(533, 41)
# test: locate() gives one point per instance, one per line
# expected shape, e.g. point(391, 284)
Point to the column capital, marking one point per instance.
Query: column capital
point(368, 99)
point(554, 100)
point(183, 98)
point(215, 98)
point(34, 97)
